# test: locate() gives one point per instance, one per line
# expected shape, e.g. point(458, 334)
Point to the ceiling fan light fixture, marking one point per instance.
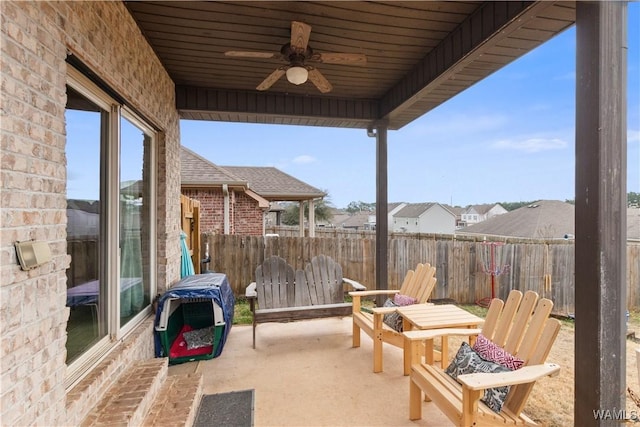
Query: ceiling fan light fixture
point(297, 75)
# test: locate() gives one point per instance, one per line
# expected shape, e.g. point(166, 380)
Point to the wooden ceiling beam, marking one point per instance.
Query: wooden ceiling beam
point(264, 107)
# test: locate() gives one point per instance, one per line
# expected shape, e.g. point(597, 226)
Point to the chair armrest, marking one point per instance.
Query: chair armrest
point(429, 334)
point(383, 310)
point(355, 285)
point(524, 375)
point(251, 291)
point(373, 292)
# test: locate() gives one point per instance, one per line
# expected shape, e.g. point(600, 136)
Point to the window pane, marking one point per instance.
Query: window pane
point(134, 221)
point(85, 124)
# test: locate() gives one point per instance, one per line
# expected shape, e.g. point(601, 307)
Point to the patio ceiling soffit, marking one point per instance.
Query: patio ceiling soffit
point(433, 80)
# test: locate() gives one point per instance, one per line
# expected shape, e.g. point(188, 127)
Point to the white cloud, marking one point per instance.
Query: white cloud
point(303, 159)
point(530, 145)
point(633, 135)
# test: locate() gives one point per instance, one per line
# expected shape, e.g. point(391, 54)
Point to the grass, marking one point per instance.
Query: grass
point(242, 312)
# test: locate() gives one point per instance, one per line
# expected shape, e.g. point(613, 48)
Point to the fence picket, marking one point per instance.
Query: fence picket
point(546, 267)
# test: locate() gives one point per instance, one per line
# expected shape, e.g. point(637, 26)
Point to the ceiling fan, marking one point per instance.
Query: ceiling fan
point(297, 53)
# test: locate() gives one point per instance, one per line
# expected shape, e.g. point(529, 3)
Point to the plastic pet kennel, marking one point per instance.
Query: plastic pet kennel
point(193, 318)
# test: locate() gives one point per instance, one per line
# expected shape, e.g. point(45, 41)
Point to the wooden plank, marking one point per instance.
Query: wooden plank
point(601, 76)
point(459, 273)
point(289, 314)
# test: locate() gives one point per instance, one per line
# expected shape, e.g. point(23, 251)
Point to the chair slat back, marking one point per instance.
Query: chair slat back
point(493, 315)
point(506, 318)
point(531, 338)
point(323, 276)
point(320, 282)
point(419, 283)
point(499, 313)
point(523, 328)
point(275, 283)
point(518, 394)
point(520, 322)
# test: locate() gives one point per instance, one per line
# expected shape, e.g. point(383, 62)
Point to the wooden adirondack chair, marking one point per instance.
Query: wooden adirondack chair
point(285, 295)
point(418, 283)
point(523, 328)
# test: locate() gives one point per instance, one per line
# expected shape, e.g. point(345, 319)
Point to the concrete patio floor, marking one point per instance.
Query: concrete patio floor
point(307, 374)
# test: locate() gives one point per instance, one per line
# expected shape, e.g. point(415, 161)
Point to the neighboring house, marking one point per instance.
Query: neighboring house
point(238, 199)
point(367, 220)
point(276, 186)
point(474, 214)
point(424, 218)
point(457, 211)
point(227, 204)
point(392, 209)
point(338, 216)
point(360, 221)
point(545, 219)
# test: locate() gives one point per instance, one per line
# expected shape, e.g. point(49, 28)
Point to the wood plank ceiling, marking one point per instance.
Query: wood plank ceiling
point(419, 54)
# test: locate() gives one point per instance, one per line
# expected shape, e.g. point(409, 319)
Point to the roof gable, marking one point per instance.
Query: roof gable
point(196, 170)
point(414, 210)
point(273, 184)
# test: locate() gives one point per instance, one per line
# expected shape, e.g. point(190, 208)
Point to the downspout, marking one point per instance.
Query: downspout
point(225, 192)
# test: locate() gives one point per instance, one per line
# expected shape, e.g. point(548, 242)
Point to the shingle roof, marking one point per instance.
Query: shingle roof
point(196, 170)
point(273, 184)
point(482, 209)
point(456, 210)
point(356, 220)
point(540, 220)
point(413, 210)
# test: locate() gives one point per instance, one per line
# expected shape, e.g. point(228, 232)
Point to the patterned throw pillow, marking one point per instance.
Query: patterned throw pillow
point(394, 320)
point(468, 361)
point(488, 350)
point(402, 300)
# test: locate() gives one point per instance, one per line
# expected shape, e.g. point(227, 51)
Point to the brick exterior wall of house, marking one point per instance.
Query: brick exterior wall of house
point(245, 217)
point(35, 40)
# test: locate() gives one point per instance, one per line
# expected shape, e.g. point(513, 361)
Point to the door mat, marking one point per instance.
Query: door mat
point(226, 409)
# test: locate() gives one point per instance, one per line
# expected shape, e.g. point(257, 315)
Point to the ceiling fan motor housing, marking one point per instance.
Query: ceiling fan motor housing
point(295, 56)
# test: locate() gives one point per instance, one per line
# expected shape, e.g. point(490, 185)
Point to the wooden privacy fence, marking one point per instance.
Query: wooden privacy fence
point(546, 267)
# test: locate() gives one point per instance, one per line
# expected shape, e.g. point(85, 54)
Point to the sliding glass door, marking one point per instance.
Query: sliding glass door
point(110, 221)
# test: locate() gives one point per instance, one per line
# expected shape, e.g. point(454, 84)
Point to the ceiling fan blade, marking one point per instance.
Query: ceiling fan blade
point(271, 79)
point(300, 36)
point(319, 81)
point(340, 58)
point(240, 54)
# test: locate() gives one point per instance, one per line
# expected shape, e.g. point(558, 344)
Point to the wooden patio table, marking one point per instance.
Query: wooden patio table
point(427, 316)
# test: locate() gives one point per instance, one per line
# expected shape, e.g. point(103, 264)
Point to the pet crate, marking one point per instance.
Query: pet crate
point(194, 318)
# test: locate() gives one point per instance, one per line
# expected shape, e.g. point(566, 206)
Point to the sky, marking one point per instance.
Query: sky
point(508, 138)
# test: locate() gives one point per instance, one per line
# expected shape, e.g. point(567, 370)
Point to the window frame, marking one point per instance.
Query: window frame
point(109, 192)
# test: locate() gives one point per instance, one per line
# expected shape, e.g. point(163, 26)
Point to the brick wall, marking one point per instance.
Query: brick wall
point(245, 217)
point(36, 37)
